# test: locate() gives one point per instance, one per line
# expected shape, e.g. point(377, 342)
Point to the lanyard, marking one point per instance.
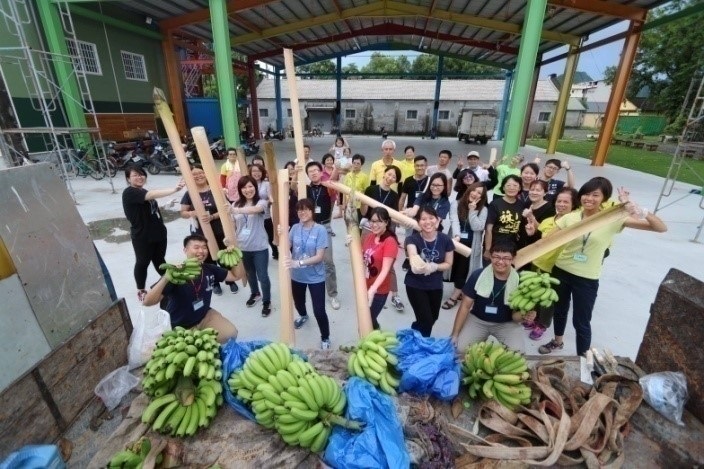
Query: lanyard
point(199, 285)
point(385, 197)
point(304, 242)
point(316, 194)
point(495, 295)
point(431, 250)
point(585, 238)
point(421, 183)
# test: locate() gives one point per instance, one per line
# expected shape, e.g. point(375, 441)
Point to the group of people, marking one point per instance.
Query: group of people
point(494, 209)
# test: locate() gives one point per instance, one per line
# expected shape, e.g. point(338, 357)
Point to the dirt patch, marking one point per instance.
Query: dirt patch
point(117, 230)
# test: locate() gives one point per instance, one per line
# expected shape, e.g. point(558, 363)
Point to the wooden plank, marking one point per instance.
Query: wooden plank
point(296, 116)
point(561, 237)
point(272, 172)
point(114, 126)
point(364, 315)
point(286, 333)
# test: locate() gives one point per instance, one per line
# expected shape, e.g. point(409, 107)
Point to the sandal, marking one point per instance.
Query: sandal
point(450, 303)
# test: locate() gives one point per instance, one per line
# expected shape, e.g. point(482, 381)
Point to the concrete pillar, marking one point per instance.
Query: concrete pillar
point(338, 100)
point(558, 121)
point(436, 101)
point(224, 74)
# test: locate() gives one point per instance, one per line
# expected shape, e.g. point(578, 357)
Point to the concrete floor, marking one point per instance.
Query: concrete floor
point(638, 261)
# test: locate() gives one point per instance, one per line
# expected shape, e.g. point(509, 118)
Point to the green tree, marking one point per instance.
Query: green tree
point(427, 64)
point(326, 67)
point(350, 68)
point(668, 57)
point(380, 63)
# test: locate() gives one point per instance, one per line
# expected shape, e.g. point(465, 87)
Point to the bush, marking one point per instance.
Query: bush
point(638, 135)
point(676, 127)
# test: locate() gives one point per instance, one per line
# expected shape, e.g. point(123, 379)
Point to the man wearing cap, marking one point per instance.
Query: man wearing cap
point(474, 164)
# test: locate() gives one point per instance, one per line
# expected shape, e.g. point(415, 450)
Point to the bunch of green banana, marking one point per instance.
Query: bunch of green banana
point(134, 455)
point(182, 352)
point(189, 407)
point(297, 401)
point(229, 257)
point(494, 372)
point(533, 289)
point(178, 274)
point(373, 360)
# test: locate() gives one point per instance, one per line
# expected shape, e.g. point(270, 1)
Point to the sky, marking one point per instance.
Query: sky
point(593, 62)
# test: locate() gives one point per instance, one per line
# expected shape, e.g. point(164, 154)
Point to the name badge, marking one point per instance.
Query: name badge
point(491, 310)
point(418, 194)
point(245, 232)
point(318, 209)
point(464, 235)
point(198, 304)
point(579, 257)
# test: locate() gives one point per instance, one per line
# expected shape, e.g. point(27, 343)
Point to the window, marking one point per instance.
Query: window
point(289, 113)
point(544, 117)
point(350, 113)
point(264, 112)
point(85, 54)
point(135, 68)
point(444, 115)
point(411, 115)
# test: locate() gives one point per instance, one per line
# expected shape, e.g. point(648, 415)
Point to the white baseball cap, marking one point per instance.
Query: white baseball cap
point(473, 154)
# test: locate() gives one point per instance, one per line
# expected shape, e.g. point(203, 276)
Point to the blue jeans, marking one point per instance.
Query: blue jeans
point(317, 296)
point(256, 265)
point(376, 306)
point(583, 291)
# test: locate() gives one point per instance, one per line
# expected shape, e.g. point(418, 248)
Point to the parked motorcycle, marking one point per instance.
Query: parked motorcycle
point(250, 147)
point(137, 157)
point(162, 161)
point(217, 148)
point(273, 134)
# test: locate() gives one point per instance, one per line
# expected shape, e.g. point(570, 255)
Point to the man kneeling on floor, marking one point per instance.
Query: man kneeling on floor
point(189, 304)
point(485, 296)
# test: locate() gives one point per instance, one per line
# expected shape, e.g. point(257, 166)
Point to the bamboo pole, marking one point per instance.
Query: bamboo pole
point(364, 315)
point(395, 215)
point(167, 118)
point(200, 139)
point(286, 332)
point(271, 171)
point(561, 237)
point(241, 162)
point(296, 116)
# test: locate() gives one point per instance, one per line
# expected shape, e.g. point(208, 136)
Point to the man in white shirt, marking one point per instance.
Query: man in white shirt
point(443, 166)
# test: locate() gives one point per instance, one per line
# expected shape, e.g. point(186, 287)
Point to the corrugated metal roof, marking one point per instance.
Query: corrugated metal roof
point(422, 90)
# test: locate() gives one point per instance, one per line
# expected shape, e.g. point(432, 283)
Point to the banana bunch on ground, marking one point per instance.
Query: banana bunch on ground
point(134, 455)
point(533, 289)
point(229, 257)
point(373, 360)
point(183, 379)
point(178, 274)
point(494, 372)
point(287, 394)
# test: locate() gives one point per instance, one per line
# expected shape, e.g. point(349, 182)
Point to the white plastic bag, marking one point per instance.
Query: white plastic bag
point(148, 328)
point(666, 392)
point(115, 386)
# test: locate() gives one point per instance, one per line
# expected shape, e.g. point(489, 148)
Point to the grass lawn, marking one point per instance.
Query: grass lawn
point(651, 162)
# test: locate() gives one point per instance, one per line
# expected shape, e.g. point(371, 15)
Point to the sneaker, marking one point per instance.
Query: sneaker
point(528, 325)
point(298, 323)
point(266, 308)
point(325, 344)
point(253, 300)
point(398, 304)
point(550, 347)
point(537, 332)
point(334, 302)
point(217, 290)
point(234, 288)
point(141, 294)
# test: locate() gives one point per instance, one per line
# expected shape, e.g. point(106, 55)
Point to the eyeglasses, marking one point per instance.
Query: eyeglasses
point(502, 258)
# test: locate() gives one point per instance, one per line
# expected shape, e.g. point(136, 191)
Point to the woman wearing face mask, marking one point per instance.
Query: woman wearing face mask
point(578, 266)
point(424, 286)
point(258, 173)
point(468, 218)
point(529, 173)
point(379, 250)
point(248, 213)
point(504, 217)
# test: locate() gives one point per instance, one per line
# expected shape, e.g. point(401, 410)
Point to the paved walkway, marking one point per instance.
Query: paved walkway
point(632, 273)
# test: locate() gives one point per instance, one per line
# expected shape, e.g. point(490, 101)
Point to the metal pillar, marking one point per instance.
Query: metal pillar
point(338, 102)
point(70, 92)
point(527, 53)
point(618, 90)
point(558, 121)
point(173, 81)
point(277, 94)
point(436, 101)
point(223, 72)
point(252, 77)
point(531, 101)
point(504, 104)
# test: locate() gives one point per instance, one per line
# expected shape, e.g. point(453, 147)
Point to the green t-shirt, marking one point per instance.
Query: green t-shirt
point(502, 171)
point(584, 256)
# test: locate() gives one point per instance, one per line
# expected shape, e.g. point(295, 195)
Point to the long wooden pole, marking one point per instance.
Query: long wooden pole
point(286, 333)
point(296, 116)
point(562, 237)
point(200, 139)
point(364, 316)
point(395, 215)
point(167, 118)
point(271, 171)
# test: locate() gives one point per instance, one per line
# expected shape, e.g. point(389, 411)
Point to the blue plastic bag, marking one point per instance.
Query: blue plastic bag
point(380, 444)
point(233, 355)
point(427, 365)
point(34, 457)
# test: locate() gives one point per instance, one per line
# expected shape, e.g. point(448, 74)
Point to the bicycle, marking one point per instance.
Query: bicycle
point(76, 164)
